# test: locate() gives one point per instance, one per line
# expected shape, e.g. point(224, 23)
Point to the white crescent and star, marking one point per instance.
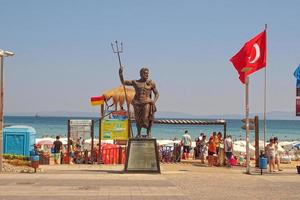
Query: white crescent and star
point(257, 53)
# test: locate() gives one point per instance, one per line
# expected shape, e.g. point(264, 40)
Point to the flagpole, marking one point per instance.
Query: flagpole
point(245, 64)
point(247, 125)
point(265, 102)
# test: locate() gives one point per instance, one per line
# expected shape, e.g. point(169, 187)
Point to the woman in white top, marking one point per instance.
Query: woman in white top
point(271, 155)
point(277, 158)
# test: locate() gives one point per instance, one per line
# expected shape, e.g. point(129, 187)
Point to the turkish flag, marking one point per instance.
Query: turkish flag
point(251, 57)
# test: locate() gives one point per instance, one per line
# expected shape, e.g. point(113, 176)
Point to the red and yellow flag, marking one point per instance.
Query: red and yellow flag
point(98, 100)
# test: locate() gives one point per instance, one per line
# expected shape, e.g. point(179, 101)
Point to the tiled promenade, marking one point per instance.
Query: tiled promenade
point(177, 181)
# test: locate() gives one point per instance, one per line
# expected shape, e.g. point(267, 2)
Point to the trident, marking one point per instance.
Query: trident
point(118, 50)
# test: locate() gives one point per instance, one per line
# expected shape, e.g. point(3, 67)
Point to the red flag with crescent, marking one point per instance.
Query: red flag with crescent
point(251, 57)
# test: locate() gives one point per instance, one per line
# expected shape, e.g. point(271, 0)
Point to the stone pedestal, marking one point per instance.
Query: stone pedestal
point(142, 156)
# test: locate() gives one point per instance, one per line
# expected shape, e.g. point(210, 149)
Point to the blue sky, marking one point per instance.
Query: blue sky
point(63, 53)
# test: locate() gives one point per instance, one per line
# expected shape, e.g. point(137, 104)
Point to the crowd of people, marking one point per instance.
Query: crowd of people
point(213, 149)
point(77, 153)
point(217, 149)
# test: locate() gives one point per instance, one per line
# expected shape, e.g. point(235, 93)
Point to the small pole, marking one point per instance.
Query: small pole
point(2, 55)
point(256, 122)
point(100, 134)
point(265, 102)
point(1, 116)
point(247, 126)
point(69, 135)
point(225, 125)
point(92, 145)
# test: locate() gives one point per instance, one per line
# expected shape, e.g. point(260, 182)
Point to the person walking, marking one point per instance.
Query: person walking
point(220, 149)
point(186, 142)
point(271, 155)
point(202, 148)
point(277, 157)
point(201, 136)
point(211, 151)
point(228, 147)
point(57, 145)
point(196, 149)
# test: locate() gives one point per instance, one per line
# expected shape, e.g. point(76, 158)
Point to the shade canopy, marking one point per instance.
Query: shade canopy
point(118, 95)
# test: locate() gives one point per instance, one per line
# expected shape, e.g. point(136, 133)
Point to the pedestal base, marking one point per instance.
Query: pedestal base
point(142, 156)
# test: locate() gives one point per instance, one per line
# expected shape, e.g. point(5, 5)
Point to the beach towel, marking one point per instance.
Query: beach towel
point(232, 161)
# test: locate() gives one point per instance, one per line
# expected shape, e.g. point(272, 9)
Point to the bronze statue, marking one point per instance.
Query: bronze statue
point(143, 104)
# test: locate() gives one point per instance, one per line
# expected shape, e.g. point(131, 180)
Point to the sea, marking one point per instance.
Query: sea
point(285, 130)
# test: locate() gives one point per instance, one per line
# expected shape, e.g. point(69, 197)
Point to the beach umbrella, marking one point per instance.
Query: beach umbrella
point(242, 143)
point(45, 142)
point(280, 149)
point(64, 140)
point(89, 141)
point(165, 142)
point(297, 145)
point(260, 144)
point(287, 146)
point(239, 147)
point(44, 138)
point(297, 76)
point(96, 141)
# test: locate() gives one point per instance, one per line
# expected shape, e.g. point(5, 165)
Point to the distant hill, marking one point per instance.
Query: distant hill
point(273, 115)
point(279, 115)
point(170, 114)
point(56, 114)
point(276, 115)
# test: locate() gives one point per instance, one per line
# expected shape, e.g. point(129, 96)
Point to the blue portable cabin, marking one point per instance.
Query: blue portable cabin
point(18, 140)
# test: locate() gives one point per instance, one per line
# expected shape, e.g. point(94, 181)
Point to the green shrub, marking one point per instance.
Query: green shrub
point(17, 157)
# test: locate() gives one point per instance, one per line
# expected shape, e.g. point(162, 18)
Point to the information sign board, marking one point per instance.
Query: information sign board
point(80, 128)
point(114, 129)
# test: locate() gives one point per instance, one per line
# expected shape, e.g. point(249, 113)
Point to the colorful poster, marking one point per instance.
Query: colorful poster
point(114, 129)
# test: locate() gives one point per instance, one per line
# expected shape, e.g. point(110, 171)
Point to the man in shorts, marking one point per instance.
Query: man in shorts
point(57, 145)
point(186, 142)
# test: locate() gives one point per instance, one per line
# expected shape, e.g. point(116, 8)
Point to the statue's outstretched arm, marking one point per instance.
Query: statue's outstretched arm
point(124, 82)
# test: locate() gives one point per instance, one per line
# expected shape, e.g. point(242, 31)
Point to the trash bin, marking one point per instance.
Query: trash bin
point(35, 162)
point(298, 169)
point(263, 164)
